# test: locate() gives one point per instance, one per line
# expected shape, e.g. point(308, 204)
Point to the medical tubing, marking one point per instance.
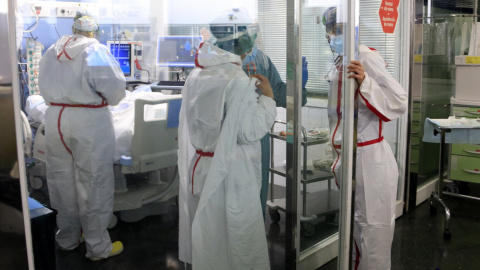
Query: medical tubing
point(164, 192)
point(27, 133)
point(148, 72)
point(56, 30)
point(36, 24)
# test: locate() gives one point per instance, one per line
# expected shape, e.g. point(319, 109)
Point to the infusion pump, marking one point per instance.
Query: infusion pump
point(34, 55)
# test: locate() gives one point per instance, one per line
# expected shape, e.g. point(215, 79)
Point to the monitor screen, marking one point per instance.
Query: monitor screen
point(177, 51)
point(123, 54)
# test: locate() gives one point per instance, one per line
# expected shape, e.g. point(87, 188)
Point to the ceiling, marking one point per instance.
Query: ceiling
point(461, 6)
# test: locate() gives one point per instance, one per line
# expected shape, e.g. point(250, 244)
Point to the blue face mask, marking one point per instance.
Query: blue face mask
point(336, 43)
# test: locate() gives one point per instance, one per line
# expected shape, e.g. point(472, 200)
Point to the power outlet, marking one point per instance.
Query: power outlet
point(66, 12)
point(40, 11)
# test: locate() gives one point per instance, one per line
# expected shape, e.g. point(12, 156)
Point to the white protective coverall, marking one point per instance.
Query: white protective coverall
point(78, 77)
point(221, 221)
point(380, 99)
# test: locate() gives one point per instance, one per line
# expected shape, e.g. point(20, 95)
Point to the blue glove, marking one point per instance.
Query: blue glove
point(304, 71)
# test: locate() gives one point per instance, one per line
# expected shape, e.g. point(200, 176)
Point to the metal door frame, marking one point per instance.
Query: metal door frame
point(18, 129)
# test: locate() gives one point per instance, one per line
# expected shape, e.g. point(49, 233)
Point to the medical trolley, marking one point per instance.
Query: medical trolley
point(323, 203)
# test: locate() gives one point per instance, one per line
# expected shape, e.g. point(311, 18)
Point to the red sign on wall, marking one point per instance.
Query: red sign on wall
point(388, 13)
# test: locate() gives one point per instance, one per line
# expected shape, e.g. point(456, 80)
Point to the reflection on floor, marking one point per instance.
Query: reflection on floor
point(152, 242)
point(321, 218)
point(13, 251)
point(418, 241)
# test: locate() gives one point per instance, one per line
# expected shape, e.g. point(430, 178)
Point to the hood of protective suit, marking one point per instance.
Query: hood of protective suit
point(68, 47)
point(209, 55)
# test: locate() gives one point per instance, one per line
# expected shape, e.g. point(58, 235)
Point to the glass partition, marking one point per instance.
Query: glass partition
point(155, 43)
point(323, 128)
point(15, 237)
point(392, 45)
point(308, 206)
point(319, 194)
point(321, 188)
point(442, 32)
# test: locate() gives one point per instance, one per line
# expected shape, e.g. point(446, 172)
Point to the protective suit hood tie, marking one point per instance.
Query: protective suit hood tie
point(64, 52)
point(200, 154)
point(254, 68)
point(357, 257)
point(209, 55)
point(196, 55)
point(104, 104)
point(379, 140)
point(69, 47)
point(63, 105)
point(339, 113)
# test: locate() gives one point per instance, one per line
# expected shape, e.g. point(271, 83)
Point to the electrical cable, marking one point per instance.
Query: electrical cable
point(55, 25)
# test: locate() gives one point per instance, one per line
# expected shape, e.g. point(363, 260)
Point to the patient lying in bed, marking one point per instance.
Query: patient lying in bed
point(123, 117)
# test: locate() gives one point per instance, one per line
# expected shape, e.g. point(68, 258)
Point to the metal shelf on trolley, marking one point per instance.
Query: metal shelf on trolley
point(308, 142)
point(310, 177)
point(322, 203)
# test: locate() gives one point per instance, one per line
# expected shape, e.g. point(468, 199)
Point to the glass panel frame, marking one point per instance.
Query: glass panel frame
point(294, 144)
point(13, 81)
point(444, 34)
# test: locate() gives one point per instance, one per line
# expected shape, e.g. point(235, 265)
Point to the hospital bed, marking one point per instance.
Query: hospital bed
point(146, 128)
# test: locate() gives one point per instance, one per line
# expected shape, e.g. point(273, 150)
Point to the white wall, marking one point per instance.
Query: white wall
point(202, 12)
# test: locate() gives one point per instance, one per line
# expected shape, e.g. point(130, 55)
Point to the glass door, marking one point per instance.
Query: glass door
point(320, 121)
point(15, 236)
point(442, 33)
point(393, 45)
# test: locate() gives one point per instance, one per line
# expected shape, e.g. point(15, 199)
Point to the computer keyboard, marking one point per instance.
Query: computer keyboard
point(174, 86)
point(171, 83)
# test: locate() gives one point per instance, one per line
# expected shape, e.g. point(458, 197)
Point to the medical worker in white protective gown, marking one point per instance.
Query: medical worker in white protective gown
point(380, 99)
point(249, 45)
point(222, 120)
point(78, 79)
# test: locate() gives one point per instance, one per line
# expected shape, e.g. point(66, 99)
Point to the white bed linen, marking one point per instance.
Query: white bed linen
point(123, 117)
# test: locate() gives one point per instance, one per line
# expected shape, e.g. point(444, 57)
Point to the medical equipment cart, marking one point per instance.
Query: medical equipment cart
point(464, 159)
point(323, 203)
point(463, 165)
